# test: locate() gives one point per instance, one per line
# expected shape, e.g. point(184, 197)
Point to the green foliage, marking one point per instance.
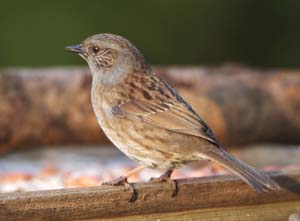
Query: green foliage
point(260, 33)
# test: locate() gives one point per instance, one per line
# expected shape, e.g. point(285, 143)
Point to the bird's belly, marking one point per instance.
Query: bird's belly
point(151, 146)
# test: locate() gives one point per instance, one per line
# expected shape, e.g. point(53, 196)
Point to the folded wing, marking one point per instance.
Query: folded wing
point(171, 113)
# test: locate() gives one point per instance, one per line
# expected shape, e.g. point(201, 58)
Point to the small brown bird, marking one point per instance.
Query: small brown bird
point(147, 119)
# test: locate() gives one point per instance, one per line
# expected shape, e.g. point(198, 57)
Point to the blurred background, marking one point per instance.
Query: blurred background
point(255, 33)
point(254, 113)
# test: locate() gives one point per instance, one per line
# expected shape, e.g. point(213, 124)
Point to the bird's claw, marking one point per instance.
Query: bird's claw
point(122, 181)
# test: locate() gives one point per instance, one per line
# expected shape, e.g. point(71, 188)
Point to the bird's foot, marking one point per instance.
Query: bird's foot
point(166, 178)
point(116, 182)
point(122, 181)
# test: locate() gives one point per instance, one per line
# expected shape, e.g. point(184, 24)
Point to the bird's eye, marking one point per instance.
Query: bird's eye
point(95, 49)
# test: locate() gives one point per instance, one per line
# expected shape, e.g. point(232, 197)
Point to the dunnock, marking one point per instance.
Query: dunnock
point(147, 119)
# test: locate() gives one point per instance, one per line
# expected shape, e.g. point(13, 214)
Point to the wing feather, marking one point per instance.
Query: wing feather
point(175, 117)
point(162, 107)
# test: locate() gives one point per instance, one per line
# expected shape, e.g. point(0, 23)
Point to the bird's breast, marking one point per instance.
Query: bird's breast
point(143, 142)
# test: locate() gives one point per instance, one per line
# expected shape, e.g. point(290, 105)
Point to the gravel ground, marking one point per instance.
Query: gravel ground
point(84, 166)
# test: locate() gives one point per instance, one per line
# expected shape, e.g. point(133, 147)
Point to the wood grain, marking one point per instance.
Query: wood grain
point(286, 211)
point(213, 193)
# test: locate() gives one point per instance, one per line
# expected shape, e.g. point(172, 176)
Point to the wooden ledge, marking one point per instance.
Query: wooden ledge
point(199, 194)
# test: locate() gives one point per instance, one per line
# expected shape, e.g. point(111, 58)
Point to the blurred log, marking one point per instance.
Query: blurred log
point(52, 106)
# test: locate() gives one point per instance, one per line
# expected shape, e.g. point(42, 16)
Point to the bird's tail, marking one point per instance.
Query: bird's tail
point(257, 180)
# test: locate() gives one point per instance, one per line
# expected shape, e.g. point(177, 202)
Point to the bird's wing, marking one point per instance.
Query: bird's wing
point(170, 112)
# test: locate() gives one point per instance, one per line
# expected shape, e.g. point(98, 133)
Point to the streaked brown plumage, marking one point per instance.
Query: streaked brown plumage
point(146, 118)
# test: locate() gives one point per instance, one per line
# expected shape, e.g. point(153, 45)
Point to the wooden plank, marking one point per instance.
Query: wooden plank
point(59, 98)
point(108, 202)
point(287, 211)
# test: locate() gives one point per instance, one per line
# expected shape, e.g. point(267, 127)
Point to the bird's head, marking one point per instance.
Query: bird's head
point(109, 56)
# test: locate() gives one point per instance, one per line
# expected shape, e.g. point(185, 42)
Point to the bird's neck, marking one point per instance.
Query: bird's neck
point(117, 74)
point(111, 76)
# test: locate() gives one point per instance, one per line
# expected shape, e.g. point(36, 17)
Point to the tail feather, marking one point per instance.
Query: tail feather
point(257, 180)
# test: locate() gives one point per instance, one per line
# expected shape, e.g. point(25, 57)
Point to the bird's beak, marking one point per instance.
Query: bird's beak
point(75, 48)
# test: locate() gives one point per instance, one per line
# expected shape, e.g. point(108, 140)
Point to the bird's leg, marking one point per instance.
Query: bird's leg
point(166, 176)
point(122, 180)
